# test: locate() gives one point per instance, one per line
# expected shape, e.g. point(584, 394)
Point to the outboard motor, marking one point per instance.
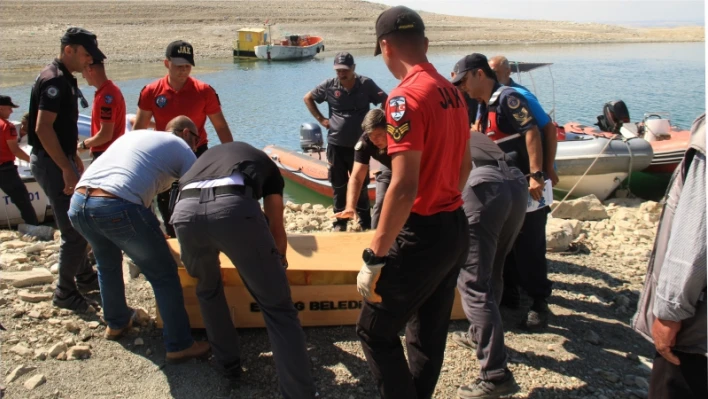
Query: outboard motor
point(614, 114)
point(311, 137)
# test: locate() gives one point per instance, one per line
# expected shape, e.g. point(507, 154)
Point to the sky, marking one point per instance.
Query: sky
point(622, 12)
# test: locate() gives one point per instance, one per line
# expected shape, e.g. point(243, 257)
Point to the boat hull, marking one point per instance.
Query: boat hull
point(286, 53)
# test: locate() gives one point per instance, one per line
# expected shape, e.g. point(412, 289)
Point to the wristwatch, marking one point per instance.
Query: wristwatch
point(538, 176)
point(83, 144)
point(370, 257)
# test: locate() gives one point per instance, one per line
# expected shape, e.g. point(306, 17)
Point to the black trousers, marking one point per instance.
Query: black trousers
point(341, 163)
point(417, 287)
point(163, 200)
point(685, 381)
point(526, 265)
point(11, 184)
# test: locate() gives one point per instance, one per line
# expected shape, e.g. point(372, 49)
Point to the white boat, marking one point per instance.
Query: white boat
point(293, 47)
point(9, 214)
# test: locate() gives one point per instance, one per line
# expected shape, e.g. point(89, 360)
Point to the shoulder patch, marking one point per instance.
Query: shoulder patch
point(397, 107)
point(108, 98)
point(397, 133)
point(358, 146)
point(522, 115)
point(161, 101)
point(52, 91)
point(513, 102)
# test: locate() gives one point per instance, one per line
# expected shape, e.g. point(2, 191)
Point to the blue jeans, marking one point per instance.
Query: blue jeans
point(112, 225)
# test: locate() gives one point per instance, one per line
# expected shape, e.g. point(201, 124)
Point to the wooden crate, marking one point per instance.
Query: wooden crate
point(322, 274)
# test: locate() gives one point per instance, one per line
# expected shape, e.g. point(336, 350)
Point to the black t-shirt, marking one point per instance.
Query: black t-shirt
point(347, 108)
point(260, 172)
point(364, 150)
point(55, 90)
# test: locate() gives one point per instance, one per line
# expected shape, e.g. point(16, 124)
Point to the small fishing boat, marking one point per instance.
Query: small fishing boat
point(9, 214)
point(308, 167)
point(292, 47)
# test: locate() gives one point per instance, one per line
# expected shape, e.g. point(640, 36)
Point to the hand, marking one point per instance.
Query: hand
point(79, 164)
point(477, 127)
point(79, 149)
point(366, 281)
point(346, 214)
point(325, 122)
point(553, 176)
point(70, 180)
point(535, 189)
point(664, 334)
point(284, 261)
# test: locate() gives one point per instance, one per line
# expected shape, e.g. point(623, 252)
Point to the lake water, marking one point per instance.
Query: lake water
point(263, 101)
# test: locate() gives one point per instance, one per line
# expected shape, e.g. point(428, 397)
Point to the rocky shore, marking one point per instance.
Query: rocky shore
point(597, 263)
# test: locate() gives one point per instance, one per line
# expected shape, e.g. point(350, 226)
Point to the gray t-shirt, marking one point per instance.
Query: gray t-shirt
point(139, 165)
point(347, 108)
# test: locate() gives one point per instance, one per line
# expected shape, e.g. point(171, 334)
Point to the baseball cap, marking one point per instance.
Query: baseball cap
point(6, 100)
point(470, 63)
point(343, 60)
point(397, 19)
point(81, 36)
point(180, 53)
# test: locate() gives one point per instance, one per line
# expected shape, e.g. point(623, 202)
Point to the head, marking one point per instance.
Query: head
point(374, 126)
point(6, 107)
point(400, 39)
point(473, 76)
point(344, 66)
point(24, 124)
point(179, 60)
point(95, 74)
point(184, 128)
point(79, 48)
point(500, 66)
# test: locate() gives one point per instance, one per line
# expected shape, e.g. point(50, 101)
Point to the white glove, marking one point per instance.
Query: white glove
point(366, 280)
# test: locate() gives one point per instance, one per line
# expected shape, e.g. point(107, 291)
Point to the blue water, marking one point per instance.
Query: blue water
point(263, 101)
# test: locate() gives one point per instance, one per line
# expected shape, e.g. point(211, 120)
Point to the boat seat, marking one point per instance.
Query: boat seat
point(629, 130)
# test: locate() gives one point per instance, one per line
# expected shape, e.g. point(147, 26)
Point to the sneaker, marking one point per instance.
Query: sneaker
point(88, 285)
point(485, 389)
point(73, 301)
point(463, 339)
point(537, 317)
point(199, 349)
point(115, 334)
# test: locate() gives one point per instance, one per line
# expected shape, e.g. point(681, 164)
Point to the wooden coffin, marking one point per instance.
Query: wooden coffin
point(322, 274)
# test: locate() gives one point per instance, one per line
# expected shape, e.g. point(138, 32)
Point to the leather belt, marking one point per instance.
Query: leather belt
point(485, 162)
point(94, 192)
point(219, 190)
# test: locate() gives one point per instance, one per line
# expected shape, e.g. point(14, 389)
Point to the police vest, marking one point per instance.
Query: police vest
point(493, 130)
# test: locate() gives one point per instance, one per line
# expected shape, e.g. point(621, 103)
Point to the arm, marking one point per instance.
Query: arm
point(273, 209)
point(535, 150)
point(221, 127)
point(356, 180)
point(48, 137)
point(19, 153)
point(142, 119)
point(466, 166)
point(102, 137)
point(312, 107)
point(549, 148)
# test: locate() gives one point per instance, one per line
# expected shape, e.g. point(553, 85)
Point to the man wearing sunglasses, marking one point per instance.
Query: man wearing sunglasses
point(110, 208)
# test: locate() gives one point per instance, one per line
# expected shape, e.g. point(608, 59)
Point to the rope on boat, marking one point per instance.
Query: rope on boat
point(299, 171)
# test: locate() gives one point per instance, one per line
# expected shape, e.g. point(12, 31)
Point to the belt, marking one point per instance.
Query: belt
point(94, 192)
point(219, 190)
point(485, 162)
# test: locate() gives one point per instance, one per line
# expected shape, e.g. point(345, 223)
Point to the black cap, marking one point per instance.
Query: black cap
point(397, 19)
point(180, 53)
point(84, 38)
point(343, 60)
point(6, 100)
point(470, 63)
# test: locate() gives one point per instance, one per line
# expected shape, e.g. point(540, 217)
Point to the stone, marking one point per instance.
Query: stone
point(291, 226)
point(33, 297)
point(584, 208)
point(71, 326)
point(10, 258)
point(592, 337)
point(34, 248)
point(35, 381)
point(306, 207)
point(40, 354)
point(78, 352)
point(7, 235)
point(610, 376)
point(559, 234)
point(13, 244)
point(69, 341)
point(57, 349)
point(22, 350)
point(54, 269)
point(293, 207)
point(622, 300)
point(142, 316)
point(641, 382)
point(61, 356)
point(139, 342)
point(93, 325)
point(25, 279)
point(18, 372)
point(54, 322)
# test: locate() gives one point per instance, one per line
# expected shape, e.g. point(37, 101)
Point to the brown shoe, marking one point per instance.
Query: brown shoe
point(115, 334)
point(198, 350)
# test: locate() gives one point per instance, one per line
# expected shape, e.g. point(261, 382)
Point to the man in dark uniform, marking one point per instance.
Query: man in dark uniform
point(54, 135)
point(348, 97)
point(409, 271)
point(10, 182)
point(372, 144)
point(511, 125)
point(218, 211)
point(495, 203)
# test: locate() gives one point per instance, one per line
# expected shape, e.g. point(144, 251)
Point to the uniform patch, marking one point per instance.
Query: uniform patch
point(522, 116)
point(513, 102)
point(106, 113)
point(108, 99)
point(397, 107)
point(397, 133)
point(52, 92)
point(358, 146)
point(161, 101)
point(337, 93)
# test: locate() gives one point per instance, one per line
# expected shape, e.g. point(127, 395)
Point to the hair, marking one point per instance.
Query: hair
point(501, 60)
point(25, 117)
point(64, 45)
point(374, 119)
point(409, 41)
point(179, 123)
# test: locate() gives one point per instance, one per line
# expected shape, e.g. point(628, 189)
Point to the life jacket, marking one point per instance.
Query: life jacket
point(492, 130)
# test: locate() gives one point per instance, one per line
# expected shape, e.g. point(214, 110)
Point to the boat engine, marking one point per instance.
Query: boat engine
point(614, 114)
point(311, 137)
